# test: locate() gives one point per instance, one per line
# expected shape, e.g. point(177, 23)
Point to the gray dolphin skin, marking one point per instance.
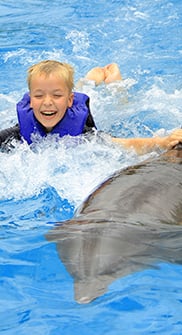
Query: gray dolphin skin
point(130, 222)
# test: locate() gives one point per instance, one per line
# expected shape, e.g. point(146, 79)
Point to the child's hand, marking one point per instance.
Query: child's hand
point(173, 139)
point(112, 73)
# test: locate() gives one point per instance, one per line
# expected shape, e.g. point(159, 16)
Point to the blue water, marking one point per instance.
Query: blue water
point(42, 186)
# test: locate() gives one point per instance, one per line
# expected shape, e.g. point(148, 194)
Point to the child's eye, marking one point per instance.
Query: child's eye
point(57, 95)
point(38, 96)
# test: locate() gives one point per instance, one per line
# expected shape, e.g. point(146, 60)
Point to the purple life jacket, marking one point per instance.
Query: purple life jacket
point(72, 123)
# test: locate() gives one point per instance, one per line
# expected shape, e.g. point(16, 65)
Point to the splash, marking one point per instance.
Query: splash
point(74, 169)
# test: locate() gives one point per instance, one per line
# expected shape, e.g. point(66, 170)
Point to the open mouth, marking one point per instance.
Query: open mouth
point(50, 113)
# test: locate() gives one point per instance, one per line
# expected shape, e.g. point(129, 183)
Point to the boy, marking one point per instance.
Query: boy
point(51, 107)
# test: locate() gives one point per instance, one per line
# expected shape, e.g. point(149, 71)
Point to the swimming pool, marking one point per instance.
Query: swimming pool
point(42, 186)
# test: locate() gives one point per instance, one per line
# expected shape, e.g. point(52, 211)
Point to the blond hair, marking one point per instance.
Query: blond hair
point(46, 67)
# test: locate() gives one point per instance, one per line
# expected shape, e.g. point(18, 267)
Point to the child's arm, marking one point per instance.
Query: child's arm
point(144, 145)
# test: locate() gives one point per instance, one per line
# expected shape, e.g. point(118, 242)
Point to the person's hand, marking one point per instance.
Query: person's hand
point(173, 139)
point(97, 74)
point(112, 73)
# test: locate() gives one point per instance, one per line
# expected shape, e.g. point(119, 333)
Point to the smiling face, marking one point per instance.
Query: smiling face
point(50, 98)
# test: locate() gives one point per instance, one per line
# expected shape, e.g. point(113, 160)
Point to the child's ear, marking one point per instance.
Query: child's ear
point(30, 101)
point(70, 100)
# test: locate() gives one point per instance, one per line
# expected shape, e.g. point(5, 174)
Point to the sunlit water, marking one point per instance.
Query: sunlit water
point(45, 184)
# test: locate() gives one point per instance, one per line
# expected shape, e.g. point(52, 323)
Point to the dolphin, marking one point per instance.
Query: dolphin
point(132, 221)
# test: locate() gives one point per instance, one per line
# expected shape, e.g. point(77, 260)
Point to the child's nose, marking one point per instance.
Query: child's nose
point(47, 100)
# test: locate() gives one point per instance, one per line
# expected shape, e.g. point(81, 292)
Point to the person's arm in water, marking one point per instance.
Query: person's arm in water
point(144, 145)
point(7, 136)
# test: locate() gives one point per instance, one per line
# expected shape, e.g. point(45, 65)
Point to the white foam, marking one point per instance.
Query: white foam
point(72, 169)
